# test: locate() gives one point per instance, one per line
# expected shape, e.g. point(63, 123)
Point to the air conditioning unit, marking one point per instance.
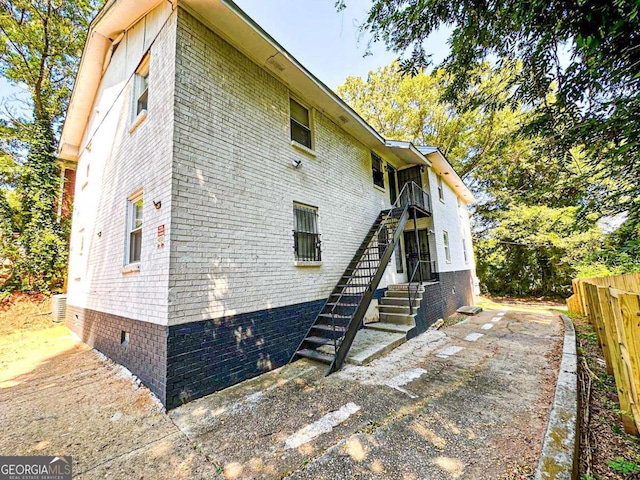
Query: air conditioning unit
point(58, 307)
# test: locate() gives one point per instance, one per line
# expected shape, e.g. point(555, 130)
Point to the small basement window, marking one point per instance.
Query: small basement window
point(376, 168)
point(300, 124)
point(124, 338)
point(306, 236)
point(134, 229)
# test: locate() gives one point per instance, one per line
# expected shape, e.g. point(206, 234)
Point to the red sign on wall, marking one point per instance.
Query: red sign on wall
point(160, 241)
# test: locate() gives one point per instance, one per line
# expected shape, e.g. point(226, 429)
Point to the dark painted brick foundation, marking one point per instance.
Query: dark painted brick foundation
point(145, 354)
point(183, 362)
point(442, 299)
point(206, 356)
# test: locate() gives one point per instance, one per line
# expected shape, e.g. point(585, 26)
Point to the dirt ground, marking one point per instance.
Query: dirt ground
point(59, 397)
point(416, 413)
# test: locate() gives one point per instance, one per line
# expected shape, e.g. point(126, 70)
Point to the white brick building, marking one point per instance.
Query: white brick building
point(222, 192)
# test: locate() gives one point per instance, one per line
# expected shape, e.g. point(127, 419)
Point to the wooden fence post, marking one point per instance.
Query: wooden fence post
point(630, 310)
point(622, 365)
point(598, 322)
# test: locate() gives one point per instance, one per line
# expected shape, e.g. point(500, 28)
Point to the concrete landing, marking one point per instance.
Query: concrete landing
point(370, 344)
point(390, 327)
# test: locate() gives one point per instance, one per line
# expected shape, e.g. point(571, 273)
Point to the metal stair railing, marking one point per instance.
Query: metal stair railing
point(390, 229)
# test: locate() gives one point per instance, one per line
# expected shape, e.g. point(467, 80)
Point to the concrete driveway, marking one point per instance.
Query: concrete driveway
point(471, 401)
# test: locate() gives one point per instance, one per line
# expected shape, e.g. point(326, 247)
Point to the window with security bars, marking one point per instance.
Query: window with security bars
point(306, 237)
point(300, 124)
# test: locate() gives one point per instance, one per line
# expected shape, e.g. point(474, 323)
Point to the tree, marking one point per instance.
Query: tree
point(579, 70)
point(535, 251)
point(528, 237)
point(411, 108)
point(41, 41)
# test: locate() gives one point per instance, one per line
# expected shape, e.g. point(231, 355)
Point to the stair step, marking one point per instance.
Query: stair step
point(399, 318)
point(331, 316)
point(404, 287)
point(398, 301)
point(395, 309)
point(342, 304)
point(319, 340)
point(314, 355)
point(329, 328)
point(390, 327)
point(402, 294)
point(354, 285)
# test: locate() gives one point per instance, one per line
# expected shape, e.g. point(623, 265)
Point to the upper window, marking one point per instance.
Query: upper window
point(300, 124)
point(134, 229)
point(306, 236)
point(376, 168)
point(141, 88)
point(440, 189)
point(447, 249)
point(464, 250)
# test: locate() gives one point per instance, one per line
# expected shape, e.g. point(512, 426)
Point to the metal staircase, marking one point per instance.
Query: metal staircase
point(331, 335)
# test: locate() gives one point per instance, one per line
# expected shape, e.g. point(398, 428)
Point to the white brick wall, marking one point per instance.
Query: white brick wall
point(113, 166)
point(234, 188)
point(216, 151)
point(454, 218)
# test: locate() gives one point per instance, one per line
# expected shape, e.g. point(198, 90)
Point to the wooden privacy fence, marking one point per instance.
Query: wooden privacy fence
point(612, 305)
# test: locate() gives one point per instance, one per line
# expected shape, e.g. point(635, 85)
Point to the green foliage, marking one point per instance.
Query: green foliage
point(39, 49)
point(530, 239)
point(578, 72)
point(532, 250)
point(624, 466)
point(410, 108)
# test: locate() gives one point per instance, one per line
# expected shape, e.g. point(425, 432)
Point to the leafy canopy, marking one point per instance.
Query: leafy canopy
point(40, 44)
point(579, 70)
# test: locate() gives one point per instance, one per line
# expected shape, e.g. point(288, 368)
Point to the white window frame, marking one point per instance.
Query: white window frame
point(440, 189)
point(140, 87)
point(312, 138)
point(130, 227)
point(447, 247)
point(464, 250)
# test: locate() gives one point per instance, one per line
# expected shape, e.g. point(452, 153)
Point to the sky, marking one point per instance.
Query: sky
point(328, 43)
point(325, 41)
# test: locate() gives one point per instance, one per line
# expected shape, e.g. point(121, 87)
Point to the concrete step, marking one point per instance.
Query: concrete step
point(399, 318)
point(395, 309)
point(390, 327)
point(403, 287)
point(398, 301)
point(401, 294)
point(469, 310)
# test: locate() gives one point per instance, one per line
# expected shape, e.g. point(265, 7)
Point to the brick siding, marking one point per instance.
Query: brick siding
point(442, 299)
point(145, 355)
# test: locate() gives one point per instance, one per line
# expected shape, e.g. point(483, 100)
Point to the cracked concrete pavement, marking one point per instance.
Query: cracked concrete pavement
point(471, 401)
